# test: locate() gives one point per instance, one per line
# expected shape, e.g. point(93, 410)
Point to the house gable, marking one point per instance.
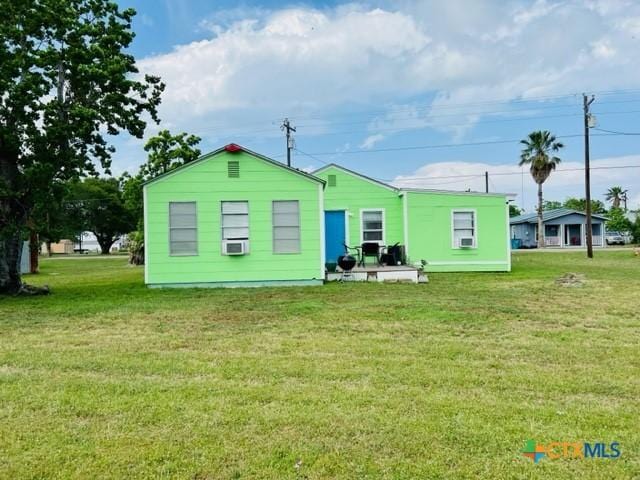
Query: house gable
point(224, 152)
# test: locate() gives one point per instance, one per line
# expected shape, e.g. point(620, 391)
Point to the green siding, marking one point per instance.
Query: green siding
point(430, 232)
point(353, 193)
point(208, 184)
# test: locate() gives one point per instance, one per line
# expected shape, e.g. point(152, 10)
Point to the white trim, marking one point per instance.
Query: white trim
point(346, 226)
point(478, 262)
point(356, 175)
point(218, 153)
point(384, 224)
point(405, 218)
point(145, 214)
point(475, 228)
point(456, 192)
point(322, 229)
point(508, 235)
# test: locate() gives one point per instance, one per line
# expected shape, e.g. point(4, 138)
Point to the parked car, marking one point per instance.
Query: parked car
point(614, 238)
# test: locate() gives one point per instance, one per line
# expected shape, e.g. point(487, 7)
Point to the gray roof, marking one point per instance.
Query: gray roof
point(549, 215)
point(407, 189)
point(241, 149)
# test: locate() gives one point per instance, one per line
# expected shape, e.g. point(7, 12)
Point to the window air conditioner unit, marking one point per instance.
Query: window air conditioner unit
point(235, 247)
point(465, 242)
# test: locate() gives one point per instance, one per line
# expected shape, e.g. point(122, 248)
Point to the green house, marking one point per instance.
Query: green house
point(450, 231)
point(234, 217)
point(237, 218)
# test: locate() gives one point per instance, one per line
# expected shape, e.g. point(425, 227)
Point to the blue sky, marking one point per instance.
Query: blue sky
point(364, 82)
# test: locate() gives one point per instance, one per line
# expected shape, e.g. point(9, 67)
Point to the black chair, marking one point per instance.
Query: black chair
point(395, 255)
point(370, 249)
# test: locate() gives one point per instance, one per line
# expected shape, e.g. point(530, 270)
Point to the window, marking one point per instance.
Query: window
point(331, 180)
point(286, 226)
point(373, 226)
point(183, 228)
point(235, 220)
point(464, 226)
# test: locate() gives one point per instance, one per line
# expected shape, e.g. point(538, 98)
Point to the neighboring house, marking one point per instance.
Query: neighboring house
point(64, 247)
point(563, 228)
point(87, 242)
point(234, 217)
point(430, 224)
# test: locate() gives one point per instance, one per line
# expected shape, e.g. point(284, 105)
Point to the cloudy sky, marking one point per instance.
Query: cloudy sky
point(420, 93)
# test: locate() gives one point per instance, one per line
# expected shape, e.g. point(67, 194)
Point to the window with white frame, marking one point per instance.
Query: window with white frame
point(373, 226)
point(235, 220)
point(464, 227)
point(183, 228)
point(286, 226)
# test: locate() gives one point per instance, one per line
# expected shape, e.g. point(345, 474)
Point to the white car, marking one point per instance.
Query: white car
point(615, 238)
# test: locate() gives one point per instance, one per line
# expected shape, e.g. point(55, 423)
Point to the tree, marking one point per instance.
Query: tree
point(635, 229)
point(580, 204)
point(514, 211)
point(66, 81)
point(551, 205)
point(618, 222)
point(102, 210)
point(615, 196)
point(538, 151)
point(54, 217)
point(167, 152)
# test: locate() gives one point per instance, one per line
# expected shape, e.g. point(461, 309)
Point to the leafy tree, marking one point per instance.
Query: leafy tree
point(551, 205)
point(580, 204)
point(538, 153)
point(635, 228)
point(132, 197)
point(514, 211)
point(102, 210)
point(615, 196)
point(66, 80)
point(54, 217)
point(167, 152)
point(618, 222)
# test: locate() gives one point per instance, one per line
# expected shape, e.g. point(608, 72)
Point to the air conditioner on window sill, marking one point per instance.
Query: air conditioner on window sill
point(465, 242)
point(235, 247)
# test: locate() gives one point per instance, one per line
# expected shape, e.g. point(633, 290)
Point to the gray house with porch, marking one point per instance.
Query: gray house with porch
point(563, 228)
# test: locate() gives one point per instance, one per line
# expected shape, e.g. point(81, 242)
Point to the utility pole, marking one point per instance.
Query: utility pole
point(287, 126)
point(486, 182)
point(587, 172)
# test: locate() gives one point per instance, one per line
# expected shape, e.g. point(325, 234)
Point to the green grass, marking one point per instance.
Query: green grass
point(105, 378)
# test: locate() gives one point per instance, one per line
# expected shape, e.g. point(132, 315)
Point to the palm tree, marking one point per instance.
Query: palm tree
point(615, 196)
point(538, 153)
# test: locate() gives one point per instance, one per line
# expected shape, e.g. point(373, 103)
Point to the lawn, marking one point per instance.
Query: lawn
point(107, 379)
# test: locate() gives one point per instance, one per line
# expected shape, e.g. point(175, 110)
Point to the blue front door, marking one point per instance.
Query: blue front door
point(334, 235)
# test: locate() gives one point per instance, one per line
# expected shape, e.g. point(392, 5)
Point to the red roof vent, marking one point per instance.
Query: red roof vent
point(232, 147)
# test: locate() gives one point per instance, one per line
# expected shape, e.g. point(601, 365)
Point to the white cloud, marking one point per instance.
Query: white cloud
point(371, 141)
point(567, 181)
point(412, 61)
point(268, 64)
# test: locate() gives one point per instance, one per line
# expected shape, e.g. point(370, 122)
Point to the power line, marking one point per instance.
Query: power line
point(442, 145)
point(491, 174)
point(273, 122)
point(617, 133)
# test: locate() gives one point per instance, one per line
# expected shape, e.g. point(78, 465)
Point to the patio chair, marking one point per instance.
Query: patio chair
point(370, 249)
